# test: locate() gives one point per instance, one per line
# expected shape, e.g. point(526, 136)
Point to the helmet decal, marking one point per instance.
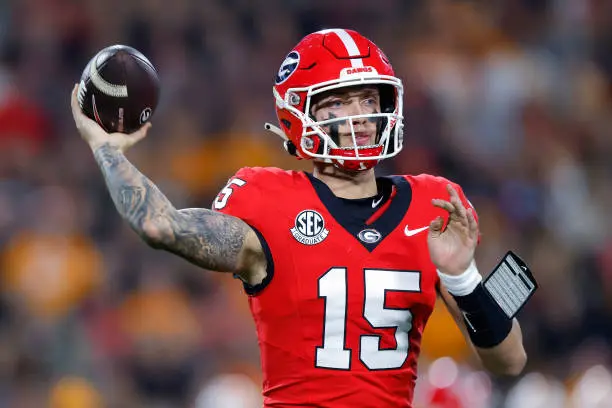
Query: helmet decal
point(288, 67)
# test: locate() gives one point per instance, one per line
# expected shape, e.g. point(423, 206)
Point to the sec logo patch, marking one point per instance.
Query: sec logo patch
point(309, 228)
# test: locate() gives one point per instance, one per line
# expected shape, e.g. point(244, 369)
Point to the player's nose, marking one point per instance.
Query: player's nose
point(355, 108)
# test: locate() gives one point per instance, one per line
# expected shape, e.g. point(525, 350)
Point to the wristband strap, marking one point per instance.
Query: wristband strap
point(464, 284)
point(486, 322)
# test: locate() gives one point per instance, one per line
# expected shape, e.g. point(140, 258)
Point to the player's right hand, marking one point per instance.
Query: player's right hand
point(95, 136)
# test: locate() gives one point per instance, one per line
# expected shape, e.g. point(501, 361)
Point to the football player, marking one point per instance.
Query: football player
point(341, 268)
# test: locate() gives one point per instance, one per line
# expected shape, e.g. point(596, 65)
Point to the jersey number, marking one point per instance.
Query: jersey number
point(333, 288)
point(224, 195)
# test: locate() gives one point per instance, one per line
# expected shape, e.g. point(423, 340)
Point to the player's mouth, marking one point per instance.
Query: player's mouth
point(363, 138)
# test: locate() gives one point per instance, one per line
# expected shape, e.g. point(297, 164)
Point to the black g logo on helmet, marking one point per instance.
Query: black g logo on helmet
point(288, 67)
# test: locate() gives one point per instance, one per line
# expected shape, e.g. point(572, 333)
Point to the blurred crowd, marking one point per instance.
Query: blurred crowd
point(510, 98)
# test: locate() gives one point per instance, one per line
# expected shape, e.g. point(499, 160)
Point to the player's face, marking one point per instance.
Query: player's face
point(360, 100)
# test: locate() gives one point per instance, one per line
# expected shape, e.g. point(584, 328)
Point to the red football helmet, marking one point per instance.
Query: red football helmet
point(328, 60)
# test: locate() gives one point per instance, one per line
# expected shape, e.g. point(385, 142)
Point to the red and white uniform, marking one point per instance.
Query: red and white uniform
point(341, 314)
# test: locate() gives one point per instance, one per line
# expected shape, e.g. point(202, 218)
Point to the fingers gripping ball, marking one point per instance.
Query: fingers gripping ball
point(119, 89)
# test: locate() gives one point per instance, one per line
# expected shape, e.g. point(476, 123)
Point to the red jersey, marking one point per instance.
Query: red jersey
point(342, 310)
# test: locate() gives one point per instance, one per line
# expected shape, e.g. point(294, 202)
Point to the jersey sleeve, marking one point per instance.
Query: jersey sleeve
point(241, 197)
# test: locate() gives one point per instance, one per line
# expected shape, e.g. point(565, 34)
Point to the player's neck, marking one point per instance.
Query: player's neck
point(345, 184)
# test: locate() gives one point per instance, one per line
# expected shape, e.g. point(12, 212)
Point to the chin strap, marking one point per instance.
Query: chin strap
point(287, 144)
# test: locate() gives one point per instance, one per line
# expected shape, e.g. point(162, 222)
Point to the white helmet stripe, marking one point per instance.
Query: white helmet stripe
point(349, 44)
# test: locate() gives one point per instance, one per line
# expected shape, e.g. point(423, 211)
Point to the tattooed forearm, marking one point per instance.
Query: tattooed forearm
point(137, 199)
point(206, 238)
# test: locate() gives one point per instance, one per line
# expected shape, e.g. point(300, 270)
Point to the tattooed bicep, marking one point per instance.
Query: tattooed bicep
point(210, 239)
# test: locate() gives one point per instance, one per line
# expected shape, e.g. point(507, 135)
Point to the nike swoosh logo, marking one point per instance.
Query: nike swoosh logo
point(375, 202)
point(410, 232)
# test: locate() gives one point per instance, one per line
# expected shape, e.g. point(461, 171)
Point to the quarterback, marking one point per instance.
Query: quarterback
point(342, 268)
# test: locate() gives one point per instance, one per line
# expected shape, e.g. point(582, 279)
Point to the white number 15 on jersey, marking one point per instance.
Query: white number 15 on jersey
point(333, 288)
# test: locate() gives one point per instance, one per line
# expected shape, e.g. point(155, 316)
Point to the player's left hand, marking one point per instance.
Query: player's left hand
point(452, 248)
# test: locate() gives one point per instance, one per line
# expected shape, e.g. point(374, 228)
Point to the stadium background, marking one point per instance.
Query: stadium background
point(512, 99)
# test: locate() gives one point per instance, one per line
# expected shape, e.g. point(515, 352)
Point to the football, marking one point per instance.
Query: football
point(119, 89)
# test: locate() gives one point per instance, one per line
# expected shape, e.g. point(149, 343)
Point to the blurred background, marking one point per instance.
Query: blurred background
point(510, 98)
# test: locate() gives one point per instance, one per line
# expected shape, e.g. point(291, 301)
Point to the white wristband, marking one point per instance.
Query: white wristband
point(464, 284)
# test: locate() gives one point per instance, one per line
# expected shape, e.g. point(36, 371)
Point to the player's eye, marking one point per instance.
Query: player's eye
point(335, 103)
